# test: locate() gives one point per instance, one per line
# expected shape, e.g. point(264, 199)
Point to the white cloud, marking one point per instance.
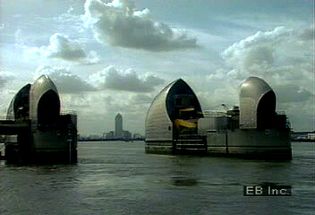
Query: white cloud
point(292, 93)
point(301, 114)
point(282, 57)
point(108, 78)
point(7, 91)
point(120, 24)
point(308, 33)
point(97, 107)
point(72, 20)
point(127, 80)
point(5, 77)
point(142, 99)
point(62, 47)
point(65, 81)
point(255, 54)
point(6, 97)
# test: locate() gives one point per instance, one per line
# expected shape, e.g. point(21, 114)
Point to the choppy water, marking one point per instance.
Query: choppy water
point(119, 178)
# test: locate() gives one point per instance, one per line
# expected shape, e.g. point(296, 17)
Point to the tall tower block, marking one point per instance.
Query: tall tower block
point(118, 125)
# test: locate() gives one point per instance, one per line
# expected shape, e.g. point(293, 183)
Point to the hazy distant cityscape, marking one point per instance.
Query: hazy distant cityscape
point(118, 134)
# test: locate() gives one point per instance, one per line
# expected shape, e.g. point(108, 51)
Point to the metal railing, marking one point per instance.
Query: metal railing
point(65, 112)
point(214, 113)
point(280, 112)
point(3, 117)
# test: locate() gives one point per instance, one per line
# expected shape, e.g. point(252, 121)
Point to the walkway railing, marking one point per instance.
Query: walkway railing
point(65, 112)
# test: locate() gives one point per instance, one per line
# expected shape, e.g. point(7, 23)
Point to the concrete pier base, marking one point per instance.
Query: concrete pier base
point(251, 144)
point(275, 153)
point(159, 147)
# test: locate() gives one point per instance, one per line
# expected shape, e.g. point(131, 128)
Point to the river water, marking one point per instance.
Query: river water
point(119, 178)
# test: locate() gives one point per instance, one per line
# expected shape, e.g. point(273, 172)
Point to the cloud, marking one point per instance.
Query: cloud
point(281, 56)
point(292, 93)
point(255, 54)
point(142, 99)
point(7, 91)
point(120, 24)
point(5, 77)
point(308, 33)
point(65, 81)
point(62, 47)
point(127, 80)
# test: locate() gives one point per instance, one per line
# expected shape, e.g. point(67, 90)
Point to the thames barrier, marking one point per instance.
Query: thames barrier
point(35, 129)
point(175, 124)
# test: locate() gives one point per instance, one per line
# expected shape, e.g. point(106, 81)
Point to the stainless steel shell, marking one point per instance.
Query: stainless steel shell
point(257, 104)
point(161, 114)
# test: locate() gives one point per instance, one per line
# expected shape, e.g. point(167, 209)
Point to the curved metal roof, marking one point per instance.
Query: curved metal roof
point(160, 115)
point(19, 106)
point(257, 103)
point(254, 87)
point(158, 124)
point(40, 87)
point(25, 103)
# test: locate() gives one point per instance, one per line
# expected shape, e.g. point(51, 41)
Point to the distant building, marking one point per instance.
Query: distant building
point(110, 135)
point(94, 137)
point(126, 135)
point(118, 125)
point(303, 136)
point(119, 132)
point(311, 136)
point(137, 136)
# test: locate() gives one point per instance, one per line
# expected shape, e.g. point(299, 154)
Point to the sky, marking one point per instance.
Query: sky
point(109, 57)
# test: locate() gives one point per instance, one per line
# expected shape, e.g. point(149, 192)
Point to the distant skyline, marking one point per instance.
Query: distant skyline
point(115, 56)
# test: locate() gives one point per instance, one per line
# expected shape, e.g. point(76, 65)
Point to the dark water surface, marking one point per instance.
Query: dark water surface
point(119, 178)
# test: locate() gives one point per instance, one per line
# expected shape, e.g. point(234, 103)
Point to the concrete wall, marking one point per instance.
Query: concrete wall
point(253, 143)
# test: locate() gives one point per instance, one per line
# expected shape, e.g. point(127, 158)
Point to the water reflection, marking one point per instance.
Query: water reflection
point(183, 181)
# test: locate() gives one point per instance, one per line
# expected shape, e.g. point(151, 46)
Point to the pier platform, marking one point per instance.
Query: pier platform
point(11, 127)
